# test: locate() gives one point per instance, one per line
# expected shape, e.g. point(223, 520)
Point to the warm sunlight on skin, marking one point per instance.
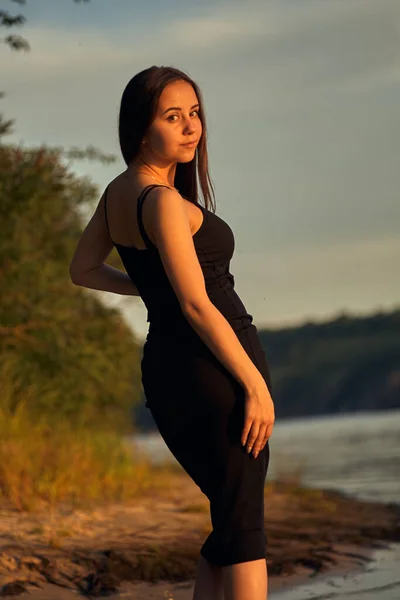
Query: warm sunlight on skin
point(176, 122)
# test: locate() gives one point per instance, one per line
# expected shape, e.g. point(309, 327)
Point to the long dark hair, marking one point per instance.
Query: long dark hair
point(137, 111)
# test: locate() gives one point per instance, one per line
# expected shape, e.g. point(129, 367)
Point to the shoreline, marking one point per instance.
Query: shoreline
point(165, 589)
point(151, 545)
point(378, 579)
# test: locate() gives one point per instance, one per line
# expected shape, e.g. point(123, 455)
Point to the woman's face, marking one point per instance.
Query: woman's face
point(176, 123)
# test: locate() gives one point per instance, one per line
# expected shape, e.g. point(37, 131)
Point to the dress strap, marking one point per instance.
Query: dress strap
point(105, 211)
point(140, 201)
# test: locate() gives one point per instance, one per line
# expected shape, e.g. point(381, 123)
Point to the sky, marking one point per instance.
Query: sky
point(302, 104)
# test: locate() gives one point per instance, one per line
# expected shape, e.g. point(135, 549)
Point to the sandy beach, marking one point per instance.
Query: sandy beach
point(352, 579)
point(150, 548)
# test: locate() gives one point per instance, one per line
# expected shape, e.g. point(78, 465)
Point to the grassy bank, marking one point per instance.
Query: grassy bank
point(83, 509)
point(47, 462)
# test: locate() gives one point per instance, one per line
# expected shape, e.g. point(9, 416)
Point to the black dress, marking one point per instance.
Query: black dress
point(196, 403)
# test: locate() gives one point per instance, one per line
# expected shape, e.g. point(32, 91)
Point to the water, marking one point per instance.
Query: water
point(358, 454)
point(380, 579)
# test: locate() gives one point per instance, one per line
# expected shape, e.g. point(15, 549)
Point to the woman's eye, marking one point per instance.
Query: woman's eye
point(170, 117)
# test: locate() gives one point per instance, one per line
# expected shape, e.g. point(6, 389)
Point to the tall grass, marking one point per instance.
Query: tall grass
point(44, 461)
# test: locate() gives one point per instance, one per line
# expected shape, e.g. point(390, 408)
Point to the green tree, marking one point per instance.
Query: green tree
point(79, 357)
point(348, 364)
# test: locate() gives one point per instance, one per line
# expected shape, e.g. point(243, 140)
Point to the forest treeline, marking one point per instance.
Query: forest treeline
point(343, 365)
point(347, 364)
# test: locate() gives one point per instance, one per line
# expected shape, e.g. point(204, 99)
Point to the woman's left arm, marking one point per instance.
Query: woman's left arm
point(106, 278)
point(87, 267)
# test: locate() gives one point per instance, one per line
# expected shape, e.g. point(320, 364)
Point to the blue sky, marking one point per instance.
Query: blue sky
point(302, 100)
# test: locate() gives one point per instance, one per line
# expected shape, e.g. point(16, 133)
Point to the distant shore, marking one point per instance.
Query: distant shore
point(152, 543)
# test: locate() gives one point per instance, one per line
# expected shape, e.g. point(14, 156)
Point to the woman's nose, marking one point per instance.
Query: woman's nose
point(188, 126)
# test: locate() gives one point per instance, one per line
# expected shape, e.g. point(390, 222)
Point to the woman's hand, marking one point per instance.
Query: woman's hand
point(259, 418)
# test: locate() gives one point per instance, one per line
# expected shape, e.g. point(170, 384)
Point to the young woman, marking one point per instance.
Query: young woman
point(204, 372)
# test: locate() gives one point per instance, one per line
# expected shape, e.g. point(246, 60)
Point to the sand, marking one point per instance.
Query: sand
point(149, 547)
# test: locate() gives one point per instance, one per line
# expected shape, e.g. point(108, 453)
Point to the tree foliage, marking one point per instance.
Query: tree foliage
point(348, 364)
point(56, 338)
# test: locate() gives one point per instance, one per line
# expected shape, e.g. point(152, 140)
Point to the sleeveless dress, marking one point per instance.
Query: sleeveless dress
point(196, 403)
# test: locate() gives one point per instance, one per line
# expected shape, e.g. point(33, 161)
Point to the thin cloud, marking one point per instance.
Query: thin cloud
point(301, 101)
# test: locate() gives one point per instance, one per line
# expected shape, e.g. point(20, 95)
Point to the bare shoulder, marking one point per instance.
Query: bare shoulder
point(164, 208)
point(162, 193)
point(124, 185)
point(169, 220)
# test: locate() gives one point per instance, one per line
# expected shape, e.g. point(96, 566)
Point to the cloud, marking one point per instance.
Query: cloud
point(57, 52)
point(301, 99)
point(226, 27)
point(298, 49)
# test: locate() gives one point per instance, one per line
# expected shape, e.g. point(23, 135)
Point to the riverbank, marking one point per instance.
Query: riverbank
point(150, 546)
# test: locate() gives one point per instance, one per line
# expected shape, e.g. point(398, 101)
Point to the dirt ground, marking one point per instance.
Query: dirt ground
point(149, 547)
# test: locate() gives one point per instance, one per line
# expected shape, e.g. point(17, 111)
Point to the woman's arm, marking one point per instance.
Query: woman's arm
point(87, 266)
point(166, 220)
point(169, 225)
point(106, 278)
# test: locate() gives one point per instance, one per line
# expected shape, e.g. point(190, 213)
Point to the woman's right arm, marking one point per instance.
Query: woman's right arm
point(166, 220)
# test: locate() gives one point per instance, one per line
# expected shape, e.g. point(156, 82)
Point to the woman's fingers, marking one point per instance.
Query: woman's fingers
point(259, 443)
point(259, 418)
point(250, 432)
point(255, 435)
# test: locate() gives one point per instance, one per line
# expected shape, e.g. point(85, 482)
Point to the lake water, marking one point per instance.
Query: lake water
point(379, 581)
point(358, 454)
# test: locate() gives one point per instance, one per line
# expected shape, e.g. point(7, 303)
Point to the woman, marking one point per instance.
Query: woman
point(204, 372)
